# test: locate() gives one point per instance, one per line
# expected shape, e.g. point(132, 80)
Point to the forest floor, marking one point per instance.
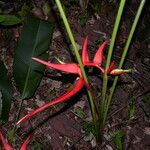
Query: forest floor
point(60, 127)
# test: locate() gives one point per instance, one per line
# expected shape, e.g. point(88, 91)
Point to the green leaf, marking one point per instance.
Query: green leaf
point(34, 42)
point(131, 109)
point(8, 20)
point(11, 137)
point(89, 127)
point(83, 18)
point(2, 18)
point(117, 138)
point(46, 9)
point(79, 112)
point(5, 93)
point(24, 10)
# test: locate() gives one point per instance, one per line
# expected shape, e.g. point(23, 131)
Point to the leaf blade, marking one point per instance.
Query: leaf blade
point(6, 93)
point(10, 20)
point(34, 41)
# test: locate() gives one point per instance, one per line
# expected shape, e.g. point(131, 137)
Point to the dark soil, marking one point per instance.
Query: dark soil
point(58, 127)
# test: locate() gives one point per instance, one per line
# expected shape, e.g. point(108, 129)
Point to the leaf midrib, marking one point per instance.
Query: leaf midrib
point(29, 68)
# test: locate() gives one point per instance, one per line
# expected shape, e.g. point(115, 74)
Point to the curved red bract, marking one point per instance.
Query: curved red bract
point(77, 87)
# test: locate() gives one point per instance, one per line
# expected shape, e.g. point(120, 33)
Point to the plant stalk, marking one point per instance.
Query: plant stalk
point(105, 77)
point(124, 55)
point(18, 114)
point(68, 29)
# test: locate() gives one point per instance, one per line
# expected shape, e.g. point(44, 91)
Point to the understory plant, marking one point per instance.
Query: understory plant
point(99, 113)
point(75, 69)
point(37, 56)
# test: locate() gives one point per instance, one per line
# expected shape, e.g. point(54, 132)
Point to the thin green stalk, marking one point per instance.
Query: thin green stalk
point(105, 77)
point(15, 122)
point(124, 55)
point(68, 29)
point(18, 114)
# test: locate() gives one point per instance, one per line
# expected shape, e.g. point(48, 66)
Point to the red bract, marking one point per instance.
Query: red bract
point(25, 143)
point(98, 58)
point(77, 87)
point(70, 68)
point(6, 146)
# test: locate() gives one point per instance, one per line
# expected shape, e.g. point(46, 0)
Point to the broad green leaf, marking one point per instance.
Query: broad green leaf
point(5, 93)
point(8, 20)
point(34, 42)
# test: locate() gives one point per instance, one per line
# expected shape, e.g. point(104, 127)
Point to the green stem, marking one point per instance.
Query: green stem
point(124, 55)
point(68, 29)
point(105, 77)
point(18, 114)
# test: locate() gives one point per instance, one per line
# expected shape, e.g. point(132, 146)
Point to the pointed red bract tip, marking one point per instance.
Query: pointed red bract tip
point(26, 142)
point(85, 57)
point(4, 143)
point(98, 58)
point(100, 68)
point(77, 87)
point(70, 68)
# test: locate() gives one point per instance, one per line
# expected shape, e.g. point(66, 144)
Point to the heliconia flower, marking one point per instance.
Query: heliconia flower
point(74, 69)
point(77, 87)
point(6, 146)
point(98, 58)
point(70, 68)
